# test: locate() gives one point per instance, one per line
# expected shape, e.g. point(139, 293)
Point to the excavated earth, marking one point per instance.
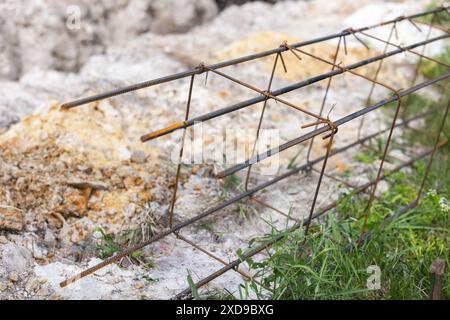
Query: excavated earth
point(67, 174)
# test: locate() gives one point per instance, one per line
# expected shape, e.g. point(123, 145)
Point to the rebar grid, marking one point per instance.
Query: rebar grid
point(322, 125)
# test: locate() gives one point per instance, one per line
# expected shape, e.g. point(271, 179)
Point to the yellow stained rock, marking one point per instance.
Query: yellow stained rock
point(297, 70)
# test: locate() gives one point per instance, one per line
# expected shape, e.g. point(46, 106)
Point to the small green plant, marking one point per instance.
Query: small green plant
point(149, 279)
point(107, 247)
point(366, 157)
point(207, 225)
point(329, 265)
point(192, 286)
point(231, 181)
point(292, 162)
point(431, 69)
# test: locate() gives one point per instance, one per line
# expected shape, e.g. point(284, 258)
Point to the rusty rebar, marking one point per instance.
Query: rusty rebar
point(324, 129)
point(223, 205)
point(235, 107)
point(251, 57)
point(322, 125)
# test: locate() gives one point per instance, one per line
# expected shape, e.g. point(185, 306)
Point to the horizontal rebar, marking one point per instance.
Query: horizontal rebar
point(247, 58)
point(324, 129)
point(284, 90)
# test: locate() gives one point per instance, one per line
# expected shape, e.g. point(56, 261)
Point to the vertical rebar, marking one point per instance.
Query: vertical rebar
point(333, 129)
point(380, 169)
point(419, 64)
point(247, 178)
point(180, 159)
point(324, 97)
point(430, 159)
point(377, 73)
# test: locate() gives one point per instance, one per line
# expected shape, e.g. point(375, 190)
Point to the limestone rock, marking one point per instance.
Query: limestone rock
point(64, 34)
point(181, 15)
point(13, 276)
point(16, 258)
point(3, 240)
point(11, 219)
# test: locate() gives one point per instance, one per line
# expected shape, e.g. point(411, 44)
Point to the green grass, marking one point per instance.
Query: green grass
point(431, 69)
point(192, 286)
point(367, 157)
point(109, 245)
point(327, 263)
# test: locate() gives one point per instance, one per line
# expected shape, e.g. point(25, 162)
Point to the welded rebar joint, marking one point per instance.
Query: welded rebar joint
point(349, 30)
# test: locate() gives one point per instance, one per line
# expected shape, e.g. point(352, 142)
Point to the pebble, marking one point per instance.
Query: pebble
point(11, 219)
point(125, 171)
point(3, 240)
point(138, 285)
point(3, 287)
point(43, 292)
point(138, 157)
point(13, 276)
point(32, 285)
point(16, 258)
point(49, 238)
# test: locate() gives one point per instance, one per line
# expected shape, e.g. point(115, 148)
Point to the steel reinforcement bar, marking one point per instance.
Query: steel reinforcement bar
point(247, 193)
point(330, 128)
point(196, 71)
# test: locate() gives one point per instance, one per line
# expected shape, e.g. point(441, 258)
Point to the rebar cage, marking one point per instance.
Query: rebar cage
point(317, 122)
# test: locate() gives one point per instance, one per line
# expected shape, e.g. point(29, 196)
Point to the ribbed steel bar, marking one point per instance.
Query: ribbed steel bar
point(217, 113)
point(255, 56)
point(180, 158)
point(218, 259)
point(380, 170)
point(221, 206)
point(430, 28)
point(324, 129)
